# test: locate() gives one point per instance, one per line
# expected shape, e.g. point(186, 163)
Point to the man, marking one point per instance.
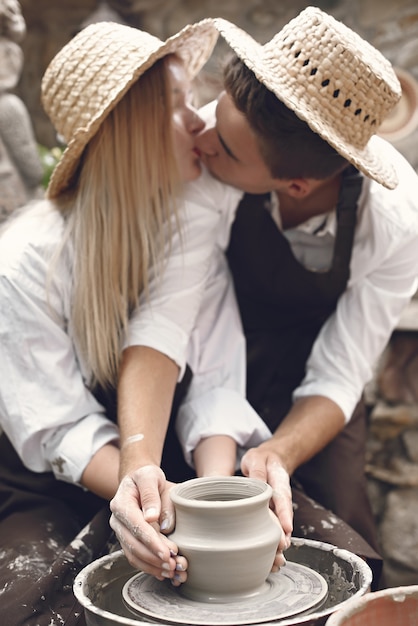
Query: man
point(320, 288)
point(323, 255)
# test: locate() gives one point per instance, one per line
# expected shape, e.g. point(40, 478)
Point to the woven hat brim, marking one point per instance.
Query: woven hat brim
point(194, 44)
point(368, 160)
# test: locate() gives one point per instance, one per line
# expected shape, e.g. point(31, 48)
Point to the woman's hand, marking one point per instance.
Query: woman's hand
point(141, 512)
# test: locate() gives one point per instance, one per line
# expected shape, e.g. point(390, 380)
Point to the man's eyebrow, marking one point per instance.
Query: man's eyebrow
point(225, 147)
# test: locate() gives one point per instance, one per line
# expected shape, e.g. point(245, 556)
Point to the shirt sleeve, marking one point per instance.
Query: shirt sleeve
point(166, 315)
point(215, 403)
point(52, 419)
point(219, 411)
point(384, 271)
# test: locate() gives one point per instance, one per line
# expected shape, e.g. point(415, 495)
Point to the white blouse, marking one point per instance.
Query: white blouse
point(46, 407)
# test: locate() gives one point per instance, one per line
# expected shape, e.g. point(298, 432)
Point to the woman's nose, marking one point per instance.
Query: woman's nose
point(195, 123)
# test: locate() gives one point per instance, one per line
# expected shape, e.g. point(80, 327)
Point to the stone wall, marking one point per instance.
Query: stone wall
point(392, 26)
point(392, 463)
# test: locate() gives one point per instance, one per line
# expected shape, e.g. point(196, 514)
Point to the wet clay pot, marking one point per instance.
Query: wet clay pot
point(390, 607)
point(229, 535)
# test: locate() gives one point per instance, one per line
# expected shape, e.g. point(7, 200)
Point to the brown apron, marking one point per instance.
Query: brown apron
point(39, 518)
point(283, 306)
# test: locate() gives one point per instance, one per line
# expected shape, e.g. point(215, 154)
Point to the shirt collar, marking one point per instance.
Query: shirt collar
point(318, 225)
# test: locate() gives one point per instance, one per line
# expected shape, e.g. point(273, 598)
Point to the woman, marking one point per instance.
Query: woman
point(108, 240)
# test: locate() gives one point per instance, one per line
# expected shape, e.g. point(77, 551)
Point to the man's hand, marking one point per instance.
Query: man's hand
point(264, 463)
point(294, 442)
point(141, 509)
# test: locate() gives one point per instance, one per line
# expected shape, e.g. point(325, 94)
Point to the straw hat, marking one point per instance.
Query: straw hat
point(91, 73)
point(339, 84)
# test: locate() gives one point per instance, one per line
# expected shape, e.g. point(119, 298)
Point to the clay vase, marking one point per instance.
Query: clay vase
point(229, 535)
point(389, 607)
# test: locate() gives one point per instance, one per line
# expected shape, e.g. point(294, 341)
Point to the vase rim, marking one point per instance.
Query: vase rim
point(202, 492)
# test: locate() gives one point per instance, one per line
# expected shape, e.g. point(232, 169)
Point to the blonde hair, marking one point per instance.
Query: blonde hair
point(118, 218)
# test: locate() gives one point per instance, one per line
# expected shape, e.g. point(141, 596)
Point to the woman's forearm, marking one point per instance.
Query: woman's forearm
point(101, 475)
point(145, 394)
point(215, 456)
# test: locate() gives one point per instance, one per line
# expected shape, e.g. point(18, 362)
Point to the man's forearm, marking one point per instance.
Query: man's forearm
point(310, 425)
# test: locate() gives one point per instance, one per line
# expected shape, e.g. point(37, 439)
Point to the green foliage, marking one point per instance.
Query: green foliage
point(49, 158)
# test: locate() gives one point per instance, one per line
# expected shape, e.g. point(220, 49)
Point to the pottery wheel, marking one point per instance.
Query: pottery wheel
point(295, 589)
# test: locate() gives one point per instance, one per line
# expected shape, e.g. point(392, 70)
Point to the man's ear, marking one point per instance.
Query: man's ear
point(299, 188)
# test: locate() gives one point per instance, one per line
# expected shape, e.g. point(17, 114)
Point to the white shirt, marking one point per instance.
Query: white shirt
point(46, 408)
point(383, 278)
point(215, 402)
point(384, 272)
point(166, 319)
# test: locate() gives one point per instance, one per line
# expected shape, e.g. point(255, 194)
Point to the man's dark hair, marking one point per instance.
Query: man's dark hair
point(288, 146)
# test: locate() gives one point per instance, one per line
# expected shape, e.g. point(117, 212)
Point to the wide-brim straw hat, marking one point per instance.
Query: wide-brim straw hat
point(334, 80)
point(91, 73)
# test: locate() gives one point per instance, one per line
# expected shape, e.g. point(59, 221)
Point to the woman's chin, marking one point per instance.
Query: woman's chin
point(193, 172)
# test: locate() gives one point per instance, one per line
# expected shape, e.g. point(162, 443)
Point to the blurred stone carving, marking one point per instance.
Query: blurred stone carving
point(12, 24)
point(20, 165)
